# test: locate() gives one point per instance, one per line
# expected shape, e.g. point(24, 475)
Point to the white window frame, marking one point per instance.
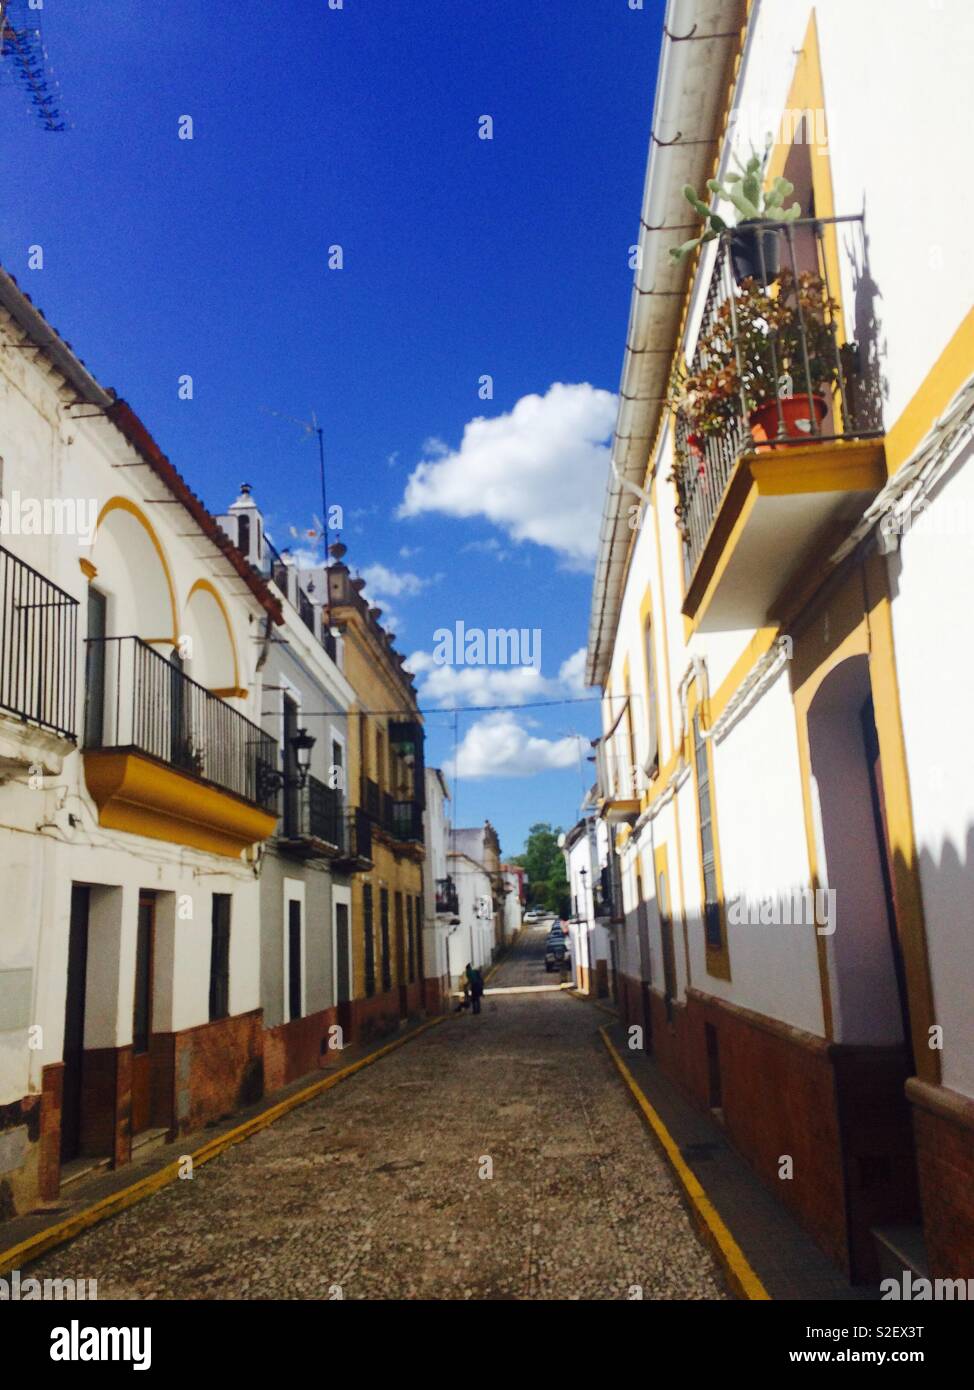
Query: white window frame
point(341, 894)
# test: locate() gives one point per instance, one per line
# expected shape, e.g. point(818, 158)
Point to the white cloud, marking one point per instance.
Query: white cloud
point(406, 552)
point(571, 673)
point(387, 583)
point(477, 685)
point(495, 685)
point(499, 746)
point(538, 472)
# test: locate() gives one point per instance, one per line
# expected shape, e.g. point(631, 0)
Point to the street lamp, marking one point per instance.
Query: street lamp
point(302, 743)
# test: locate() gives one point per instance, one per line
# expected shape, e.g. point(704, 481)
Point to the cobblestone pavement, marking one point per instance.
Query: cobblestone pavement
point(375, 1187)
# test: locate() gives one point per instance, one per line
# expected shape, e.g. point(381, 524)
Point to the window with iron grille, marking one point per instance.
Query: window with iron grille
point(369, 941)
point(713, 928)
point(384, 934)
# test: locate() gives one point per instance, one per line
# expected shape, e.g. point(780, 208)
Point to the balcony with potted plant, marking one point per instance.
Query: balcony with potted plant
point(778, 439)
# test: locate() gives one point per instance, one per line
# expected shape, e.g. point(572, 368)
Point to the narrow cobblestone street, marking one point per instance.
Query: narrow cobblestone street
point(375, 1187)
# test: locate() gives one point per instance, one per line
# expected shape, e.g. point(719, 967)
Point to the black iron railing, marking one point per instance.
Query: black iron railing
point(447, 899)
point(372, 799)
point(356, 846)
point(307, 609)
point(38, 651)
point(138, 699)
point(315, 811)
point(775, 366)
point(406, 821)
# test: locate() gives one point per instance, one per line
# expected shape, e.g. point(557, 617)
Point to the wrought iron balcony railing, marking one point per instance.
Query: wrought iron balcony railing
point(138, 700)
point(38, 651)
point(356, 846)
point(316, 812)
point(775, 364)
point(372, 799)
point(447, 898)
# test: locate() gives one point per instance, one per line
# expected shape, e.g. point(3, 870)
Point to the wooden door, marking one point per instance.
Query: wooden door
point(142, 1016)
point(74, 1025)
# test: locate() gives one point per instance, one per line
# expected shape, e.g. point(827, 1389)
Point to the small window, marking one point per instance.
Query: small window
point(220, 957)
point(243, 534)
point(712, 912)
point(652, 761)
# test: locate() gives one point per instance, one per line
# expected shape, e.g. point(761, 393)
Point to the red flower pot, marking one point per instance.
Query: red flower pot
point(797, 413)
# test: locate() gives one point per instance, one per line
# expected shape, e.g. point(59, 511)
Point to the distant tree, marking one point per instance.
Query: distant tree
point(545, 866)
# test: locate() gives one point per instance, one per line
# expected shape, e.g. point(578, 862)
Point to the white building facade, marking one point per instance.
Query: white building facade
point(133, 782)
point(779, 576)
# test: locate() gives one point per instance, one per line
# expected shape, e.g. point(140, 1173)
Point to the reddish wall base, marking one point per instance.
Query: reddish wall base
point(294, 1049)
point(49, 1172)
point(218, 1068)
point(435, 995)
point(943, 1121)
point(376, 1017)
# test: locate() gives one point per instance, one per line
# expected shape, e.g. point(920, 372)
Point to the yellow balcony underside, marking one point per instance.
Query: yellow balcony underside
point(782, 514)
point(138, 795)
point(618, 809)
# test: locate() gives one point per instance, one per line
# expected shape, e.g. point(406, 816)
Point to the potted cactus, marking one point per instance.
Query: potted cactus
point(753, 244)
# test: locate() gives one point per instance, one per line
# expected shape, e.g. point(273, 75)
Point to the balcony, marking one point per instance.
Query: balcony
point(778, 432)
point(38, 661)
point(355, 851)
point(314, 821)
point(447, 898)
point(167, 759)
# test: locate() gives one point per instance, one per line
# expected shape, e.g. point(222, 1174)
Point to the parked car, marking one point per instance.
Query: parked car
point(556, 951)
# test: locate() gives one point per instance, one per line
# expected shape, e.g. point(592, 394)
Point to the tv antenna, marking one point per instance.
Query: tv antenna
point(312, 428)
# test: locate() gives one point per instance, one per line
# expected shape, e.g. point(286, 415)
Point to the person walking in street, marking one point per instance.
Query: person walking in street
point(476, 982)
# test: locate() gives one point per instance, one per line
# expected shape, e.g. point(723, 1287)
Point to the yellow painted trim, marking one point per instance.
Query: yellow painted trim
point(88, 569)
point(952, 369)
point(122, 504)
point(699, 605)
point(850, 466)
point(138, 795)
point(718, 958)
point(741, 1277)
point(854, 643)
point(842, 467)
point(899, 817)
point(231, 692)
point(661, 866)
point(18, 1256)
point(207, 587)
point(807, 93)
point(663, 607)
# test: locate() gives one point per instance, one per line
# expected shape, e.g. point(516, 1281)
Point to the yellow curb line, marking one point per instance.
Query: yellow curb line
point(596, 1003)
point(740, 1275)
point(37, 1245)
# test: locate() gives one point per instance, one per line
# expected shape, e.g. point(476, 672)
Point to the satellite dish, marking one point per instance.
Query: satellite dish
point(561, 840)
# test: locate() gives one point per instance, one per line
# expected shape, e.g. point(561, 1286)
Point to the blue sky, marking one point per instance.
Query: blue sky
point(462, 258)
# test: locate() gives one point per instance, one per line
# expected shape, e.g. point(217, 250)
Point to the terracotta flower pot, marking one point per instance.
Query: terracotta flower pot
point(797, 413)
